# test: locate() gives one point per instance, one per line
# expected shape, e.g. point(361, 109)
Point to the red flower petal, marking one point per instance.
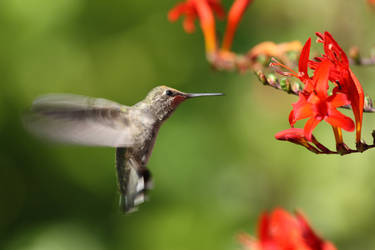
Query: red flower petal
point(292, 121)
point(217, 8)
point(188, 24)
point(337, 119)
point(310, 237)
point(304, 59)
point(321, 78)
point(301, 109)
point(357, 102)
point(202, 9)
point(263, 227)
point(309, 127)
point(280, 230)
point(176, 12)
point(338, 100)
point(292, 133)
point(333, 50)
point(234, 16)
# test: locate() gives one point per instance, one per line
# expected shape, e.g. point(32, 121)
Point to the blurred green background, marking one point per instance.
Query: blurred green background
point(216, 164)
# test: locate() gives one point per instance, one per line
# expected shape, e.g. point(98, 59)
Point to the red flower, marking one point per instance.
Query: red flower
point(318, 106)
point(315, 103)
point(234, 17)
point(282, 231)
point(202, 9)
point(371, 2)
point(340, 74)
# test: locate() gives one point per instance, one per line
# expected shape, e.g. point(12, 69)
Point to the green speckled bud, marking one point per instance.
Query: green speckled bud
point(297, 87)
point(271, 78)
point(285, 85)
point(261, 77)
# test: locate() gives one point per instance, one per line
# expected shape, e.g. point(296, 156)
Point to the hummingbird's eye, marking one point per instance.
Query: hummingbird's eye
point(169, 92)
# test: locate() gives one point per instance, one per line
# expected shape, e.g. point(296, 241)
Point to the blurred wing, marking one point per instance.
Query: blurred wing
point(80, 120)
point(134, 181)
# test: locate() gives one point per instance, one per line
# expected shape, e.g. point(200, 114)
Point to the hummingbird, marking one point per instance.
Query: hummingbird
point(132, 130)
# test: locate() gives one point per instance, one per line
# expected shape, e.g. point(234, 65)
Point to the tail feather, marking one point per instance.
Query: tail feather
point(134, 181)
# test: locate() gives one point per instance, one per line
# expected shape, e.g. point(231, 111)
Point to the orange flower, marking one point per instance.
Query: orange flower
point(202, 9)
point(234, 17)
point(271, 49)
point(282, 231)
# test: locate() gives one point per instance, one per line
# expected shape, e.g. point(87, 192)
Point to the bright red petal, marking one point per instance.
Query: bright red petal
point(234, 17)
point(304, 59)
point(357, 103)
point(321, 78)
point(303, 112)
point(338, 100)
point(290, 134)
point(286, 232)
point(263, 228)
point(301, 109)
point(310, 237)
point(333, 50)
point(292, 121)
point(337, 119)
point(281, 230)
point(217, 8)
point(188, 24)
point(176, 12)
point(309, 127)
point(328, 246)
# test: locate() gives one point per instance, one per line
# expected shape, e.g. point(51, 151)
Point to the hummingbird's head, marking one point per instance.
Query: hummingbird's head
point(164, 100)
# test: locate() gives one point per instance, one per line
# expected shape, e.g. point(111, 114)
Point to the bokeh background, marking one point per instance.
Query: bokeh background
point(216, 164)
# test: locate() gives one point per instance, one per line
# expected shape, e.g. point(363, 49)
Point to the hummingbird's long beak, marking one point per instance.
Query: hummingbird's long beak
point(192, 95)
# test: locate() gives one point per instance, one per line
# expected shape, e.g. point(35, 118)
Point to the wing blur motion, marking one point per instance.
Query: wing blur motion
point(80, 120)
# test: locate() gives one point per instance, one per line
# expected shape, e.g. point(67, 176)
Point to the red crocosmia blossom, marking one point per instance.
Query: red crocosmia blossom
point(282, 231)
point(341, 74)
point(234, 16)
point(315, 103)
point(202, 9)
point(371, 2)
point(318, 106)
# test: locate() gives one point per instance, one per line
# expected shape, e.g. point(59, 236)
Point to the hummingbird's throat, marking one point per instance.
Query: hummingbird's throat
point(177, 100)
